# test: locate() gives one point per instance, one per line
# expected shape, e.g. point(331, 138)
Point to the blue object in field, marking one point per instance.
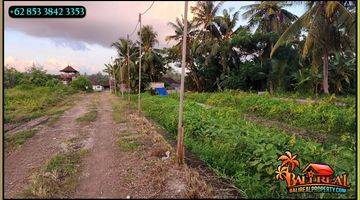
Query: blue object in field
point(161, 91)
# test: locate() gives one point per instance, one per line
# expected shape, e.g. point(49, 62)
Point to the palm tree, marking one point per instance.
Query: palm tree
point(178, 27)
point(224, 47)
point(152, 58)
point(268, 16)
point(330, 26)
point(205, 13)
point(109, 70)
point(121, 46)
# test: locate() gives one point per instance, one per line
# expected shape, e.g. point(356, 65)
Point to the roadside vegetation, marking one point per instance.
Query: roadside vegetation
point(242, 150)
point(35, 93)
point(324, 116)
point(59, 176)
point(13, 140)
point(91, 115)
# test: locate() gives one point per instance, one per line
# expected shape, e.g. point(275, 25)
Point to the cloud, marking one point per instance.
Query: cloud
point(51, 65)
point(104, 23)
point(73, 44)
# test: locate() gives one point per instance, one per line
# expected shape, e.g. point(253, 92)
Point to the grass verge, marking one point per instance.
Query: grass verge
point(13, 140)
point(128, 144)
point(91, 115)
point(59, 177)
point(118, 111)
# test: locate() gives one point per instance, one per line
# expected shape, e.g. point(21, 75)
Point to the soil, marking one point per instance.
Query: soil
point(108, 170)
point(20, 163)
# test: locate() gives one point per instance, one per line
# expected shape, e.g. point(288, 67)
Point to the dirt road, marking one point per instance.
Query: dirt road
point(129, 158)
point(20, 164)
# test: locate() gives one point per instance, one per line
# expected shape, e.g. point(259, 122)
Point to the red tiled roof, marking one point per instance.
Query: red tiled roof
point(68, 69)
point(319, 169)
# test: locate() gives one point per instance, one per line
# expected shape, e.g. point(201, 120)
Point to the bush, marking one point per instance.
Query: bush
point(53, 83)
point(26, 102)
point(82, 83)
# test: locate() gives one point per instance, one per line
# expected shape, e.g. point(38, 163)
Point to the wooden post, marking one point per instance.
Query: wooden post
point(139, 106)
point(110, 82)
point(180, 140)
point(114, 78)
point(121, 82)
point(128, 72)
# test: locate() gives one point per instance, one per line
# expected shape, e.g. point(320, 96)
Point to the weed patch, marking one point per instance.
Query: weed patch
point(58, 178)
point(128, 144)
point(13, 140)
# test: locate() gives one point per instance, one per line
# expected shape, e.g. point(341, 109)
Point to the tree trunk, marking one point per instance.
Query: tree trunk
point(326, 71)
point(197, 81)
point(270, 81)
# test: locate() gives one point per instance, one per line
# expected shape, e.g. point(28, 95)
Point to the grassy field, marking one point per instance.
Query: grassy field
point(26, 103)
point(247, 152)
point(323, 116)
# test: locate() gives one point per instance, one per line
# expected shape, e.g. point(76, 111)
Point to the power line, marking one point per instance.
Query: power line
point(148, 8)
point(134, 29)
point(139, 21)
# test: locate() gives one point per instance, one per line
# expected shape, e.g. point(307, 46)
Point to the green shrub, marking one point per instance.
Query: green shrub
point(324, 116)
point(82, 83)
point(52, 83)
point(24, 102)
point(242, 150)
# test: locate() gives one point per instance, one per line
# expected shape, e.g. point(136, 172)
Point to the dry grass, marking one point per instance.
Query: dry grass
point(59, 176)
point(14, 140)
point(92, 114)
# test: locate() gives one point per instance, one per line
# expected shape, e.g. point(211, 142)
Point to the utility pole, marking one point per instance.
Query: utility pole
point(139, 106)
point(110, 82)
point(180, 139)
point(121, 82)
point(128, 72)
point(114, 76)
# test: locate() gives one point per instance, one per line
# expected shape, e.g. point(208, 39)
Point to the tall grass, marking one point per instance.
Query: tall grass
point(23, 103)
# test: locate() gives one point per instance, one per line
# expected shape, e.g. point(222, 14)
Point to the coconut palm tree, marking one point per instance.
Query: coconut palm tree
point(152, 57)
point(268, 16)
point(110, 70)
point(224, 46)
point(178, 27)
point(124, 61)
point(205, 14)
point(330, 27)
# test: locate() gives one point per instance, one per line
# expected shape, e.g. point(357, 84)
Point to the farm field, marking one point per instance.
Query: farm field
point(180, 100)
point(24, 103)
point(247, 151)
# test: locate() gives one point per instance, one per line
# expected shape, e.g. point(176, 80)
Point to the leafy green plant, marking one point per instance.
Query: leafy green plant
point(242, 150)
point(82, 83)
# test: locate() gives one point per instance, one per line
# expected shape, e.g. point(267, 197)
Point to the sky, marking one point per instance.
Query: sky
point(85, 43)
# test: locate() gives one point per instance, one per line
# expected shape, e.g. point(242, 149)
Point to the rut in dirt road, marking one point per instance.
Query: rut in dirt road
point(20, 164)
point(102, 167)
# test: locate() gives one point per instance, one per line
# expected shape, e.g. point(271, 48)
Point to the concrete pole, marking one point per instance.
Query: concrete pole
point(121, 81)
point(180, 139)
point(128, 81)
point(114, 78)
point(139, 100)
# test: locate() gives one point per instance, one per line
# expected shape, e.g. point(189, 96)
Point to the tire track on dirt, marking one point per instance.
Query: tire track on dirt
point(102, 168)
point(21, 163)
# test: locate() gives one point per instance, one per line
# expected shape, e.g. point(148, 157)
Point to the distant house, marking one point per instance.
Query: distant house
point(98, 86)
point(68, 74)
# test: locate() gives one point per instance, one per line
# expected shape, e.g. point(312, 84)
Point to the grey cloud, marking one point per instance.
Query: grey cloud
point(104, 23)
